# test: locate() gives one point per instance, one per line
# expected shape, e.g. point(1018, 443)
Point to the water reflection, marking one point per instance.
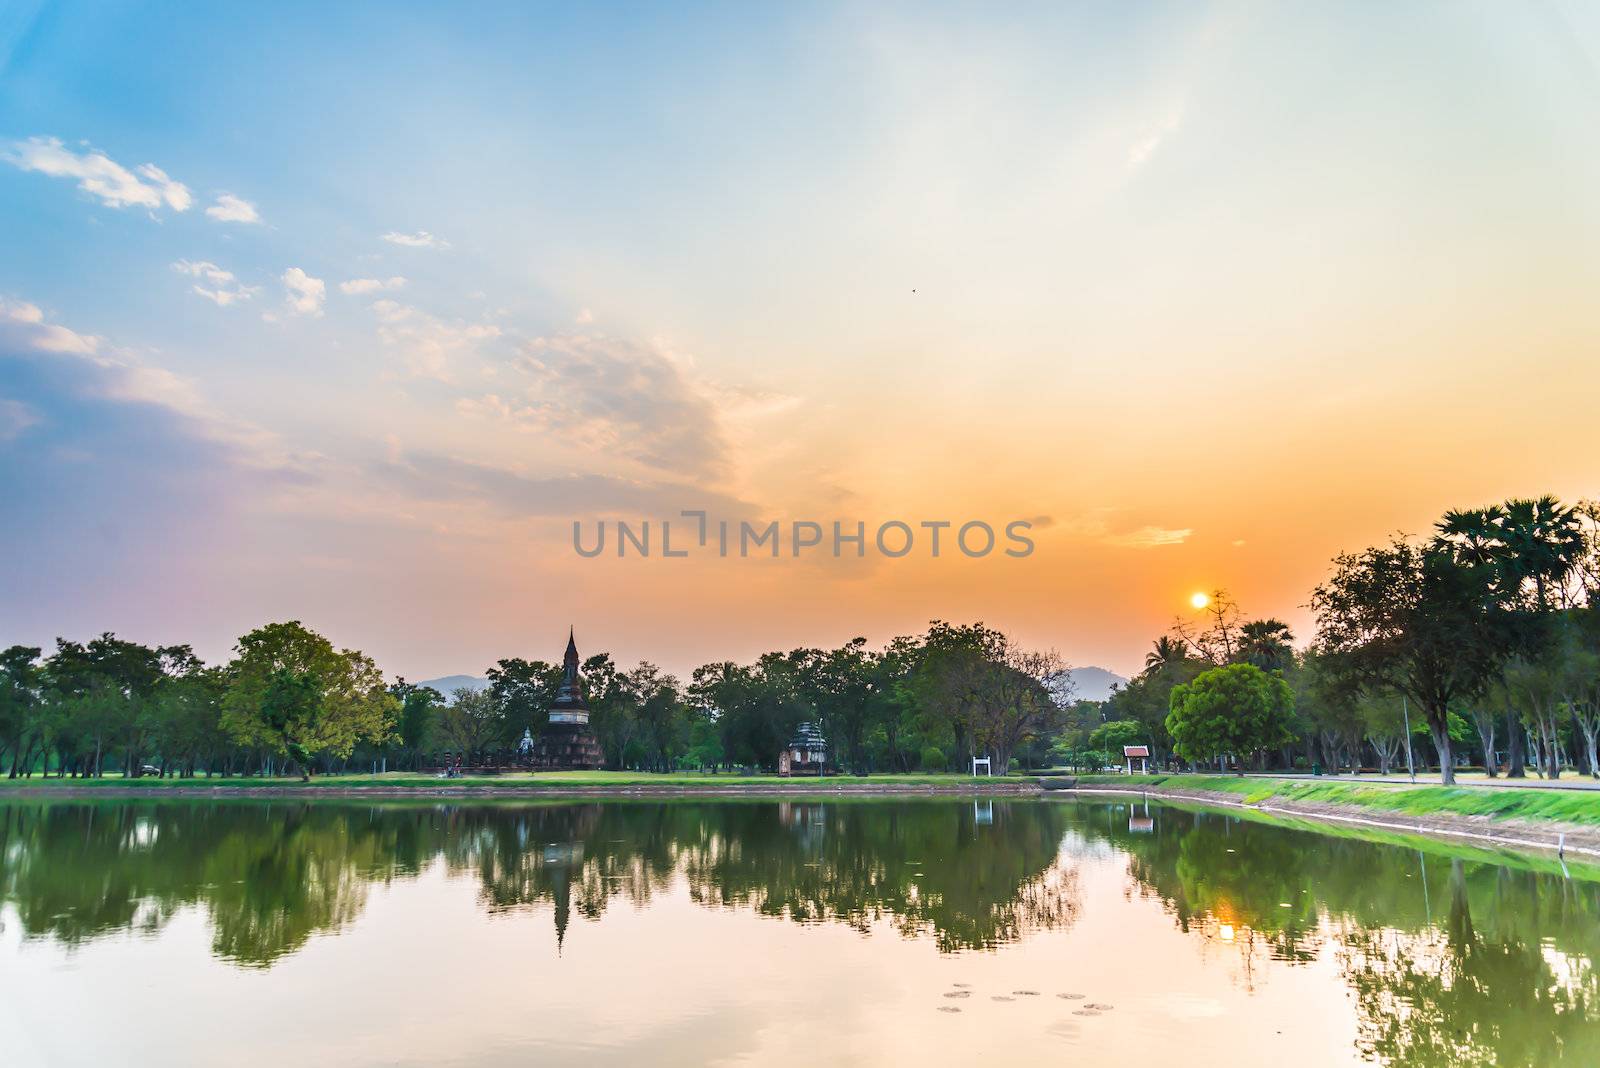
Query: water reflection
point(1445, 959)
point(270, 876)
point(1451, 961)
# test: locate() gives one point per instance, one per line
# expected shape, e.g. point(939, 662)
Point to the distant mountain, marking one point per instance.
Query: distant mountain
point(1094, 683)
point(449, 684)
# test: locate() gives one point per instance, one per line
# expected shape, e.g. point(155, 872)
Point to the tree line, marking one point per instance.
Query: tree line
point(1480, 641)
point(290, 702)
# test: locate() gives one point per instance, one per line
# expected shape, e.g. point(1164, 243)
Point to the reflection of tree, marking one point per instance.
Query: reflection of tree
point(1452, 996)
point(926, 866)
point(1218, 872)
point(1452, 962)
point(272, 875)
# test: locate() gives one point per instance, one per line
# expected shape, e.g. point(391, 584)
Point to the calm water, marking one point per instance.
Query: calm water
point(881, 931)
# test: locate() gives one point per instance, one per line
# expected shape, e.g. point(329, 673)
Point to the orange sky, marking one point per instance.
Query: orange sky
point(1212, 291)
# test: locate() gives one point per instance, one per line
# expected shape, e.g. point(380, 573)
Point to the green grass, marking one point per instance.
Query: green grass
point(1580, 807)
point(1505, 856)
point(551, 780)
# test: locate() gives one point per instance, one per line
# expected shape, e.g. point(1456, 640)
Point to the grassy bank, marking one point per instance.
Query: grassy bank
point(521, 781)
point(1421, 801)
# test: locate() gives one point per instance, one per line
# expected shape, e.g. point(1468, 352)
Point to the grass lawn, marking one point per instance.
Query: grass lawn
point(1400, 798)
point(553, 780)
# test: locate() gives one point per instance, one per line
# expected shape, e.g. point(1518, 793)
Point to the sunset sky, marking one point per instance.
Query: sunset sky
point(346, 312)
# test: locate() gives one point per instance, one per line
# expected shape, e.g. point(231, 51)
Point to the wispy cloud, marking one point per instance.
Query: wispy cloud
point(1150, 537)
point(430, 344)
point(614, 398)
point(1096, 526)
point(229, 208)
point(125, 453)
point(360, 286)
point(97, 174)
point(304, 293)
point(520, 495)
point(420, 239)
point(1153, 138)
point(15, 417)
point(223, 289)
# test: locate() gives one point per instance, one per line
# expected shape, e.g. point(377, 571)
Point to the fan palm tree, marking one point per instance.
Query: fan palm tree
point(1266, 643)
point(1532, 543)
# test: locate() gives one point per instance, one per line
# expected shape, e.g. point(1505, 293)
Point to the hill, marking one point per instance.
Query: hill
point(1094, 683)
point(449, 684)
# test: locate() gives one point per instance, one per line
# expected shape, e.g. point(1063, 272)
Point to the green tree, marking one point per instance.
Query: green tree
point(471, 723)
point(419, 713)
point(1416, 620)
point(524, 690)
point(1237, 709)
point(661, 713)
point(1165, 652)
point(1266, 643)
point(1112, 736)
point(351, 702)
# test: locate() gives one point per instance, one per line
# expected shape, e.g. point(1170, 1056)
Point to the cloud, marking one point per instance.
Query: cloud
point(1095, 526)
point(229, 208)
point(420, 239)
point(515, 494)
point(614, 398)
point(15, 417)
point(23, 325)
point(305, 294)
point(225, 289)
point(124, 455)
point(430, 344)
point(1152, 139)
point(1149, 537)
point(584, 317)
point(146, 186)
point(361, 286)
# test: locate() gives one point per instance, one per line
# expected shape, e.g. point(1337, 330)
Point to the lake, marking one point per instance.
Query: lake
point(870, 931)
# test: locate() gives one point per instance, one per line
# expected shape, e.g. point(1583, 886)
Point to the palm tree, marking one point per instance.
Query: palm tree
point(1532, 543)
point(1266, 643)
point(1473, 534)
point(1166, 652)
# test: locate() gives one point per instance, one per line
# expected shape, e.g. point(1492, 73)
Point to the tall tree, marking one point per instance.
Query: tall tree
point(1266, 643)
point(524, 691)
point(1166, 652)
point(351, 703)
point(471, 723)
point(21, 686)
point(1416, 620)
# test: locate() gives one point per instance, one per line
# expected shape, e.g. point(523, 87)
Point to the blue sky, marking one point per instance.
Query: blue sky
point(343, 312)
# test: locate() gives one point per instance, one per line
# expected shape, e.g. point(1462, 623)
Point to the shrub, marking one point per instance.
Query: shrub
point(933, 759)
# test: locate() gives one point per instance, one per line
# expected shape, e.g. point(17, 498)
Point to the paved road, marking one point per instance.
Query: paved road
point(1567, 782)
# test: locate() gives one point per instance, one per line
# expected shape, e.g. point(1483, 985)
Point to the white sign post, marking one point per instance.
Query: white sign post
point(986, 769)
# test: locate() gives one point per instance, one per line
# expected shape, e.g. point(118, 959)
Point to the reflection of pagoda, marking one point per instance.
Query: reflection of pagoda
point(566, 741)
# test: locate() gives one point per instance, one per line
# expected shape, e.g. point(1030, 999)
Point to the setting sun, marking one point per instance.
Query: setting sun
point(1199, 600)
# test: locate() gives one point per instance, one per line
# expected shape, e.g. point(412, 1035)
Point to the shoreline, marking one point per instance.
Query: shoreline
point(1545, 836)
point(1540, 835)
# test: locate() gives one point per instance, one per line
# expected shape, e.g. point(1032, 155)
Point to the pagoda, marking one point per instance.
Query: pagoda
point(566, 743)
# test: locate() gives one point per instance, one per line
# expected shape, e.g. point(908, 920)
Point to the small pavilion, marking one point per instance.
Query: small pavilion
point(1130, 753)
